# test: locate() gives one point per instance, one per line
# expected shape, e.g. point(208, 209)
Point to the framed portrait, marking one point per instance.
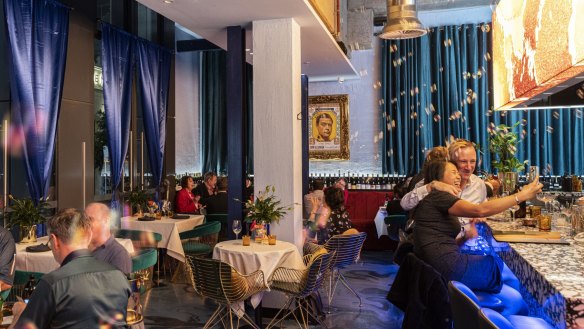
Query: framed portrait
point(328, 127)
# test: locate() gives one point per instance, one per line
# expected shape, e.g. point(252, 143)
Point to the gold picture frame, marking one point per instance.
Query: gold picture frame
point(328, 127)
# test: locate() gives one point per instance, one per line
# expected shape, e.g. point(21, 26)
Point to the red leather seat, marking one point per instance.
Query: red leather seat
point(362, 207)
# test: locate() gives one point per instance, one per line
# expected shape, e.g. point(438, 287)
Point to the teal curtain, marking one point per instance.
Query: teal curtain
point(213, 112)
point(249, 119)
point(436, 88)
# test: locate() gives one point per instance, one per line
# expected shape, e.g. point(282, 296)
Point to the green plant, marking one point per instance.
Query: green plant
point(503, 143)
point(266, 208)
point(25, 212)
point(138, 197)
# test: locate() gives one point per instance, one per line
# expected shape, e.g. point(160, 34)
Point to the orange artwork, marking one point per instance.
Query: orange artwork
point(537, 45)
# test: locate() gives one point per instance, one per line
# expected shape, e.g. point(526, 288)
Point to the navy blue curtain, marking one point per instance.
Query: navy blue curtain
point(436, 88)
point(154, 67)
point(37, 34)
point(117, 49)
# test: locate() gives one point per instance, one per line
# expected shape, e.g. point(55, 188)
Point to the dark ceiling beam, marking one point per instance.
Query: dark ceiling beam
point(195, 45)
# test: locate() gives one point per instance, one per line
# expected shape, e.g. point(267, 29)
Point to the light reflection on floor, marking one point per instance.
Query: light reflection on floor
point(173, 306)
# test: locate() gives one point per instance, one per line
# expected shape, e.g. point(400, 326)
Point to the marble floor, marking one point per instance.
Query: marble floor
point(175, 306)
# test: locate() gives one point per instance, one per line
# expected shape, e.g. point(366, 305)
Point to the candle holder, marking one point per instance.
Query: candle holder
point(246, 240)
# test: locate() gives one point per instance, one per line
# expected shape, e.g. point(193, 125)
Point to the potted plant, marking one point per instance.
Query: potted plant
point(503, 143)
point(25, 214)
point(138, 200)
point(264, 210)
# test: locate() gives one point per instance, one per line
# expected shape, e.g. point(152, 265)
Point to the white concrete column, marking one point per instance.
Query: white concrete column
point(276, 129)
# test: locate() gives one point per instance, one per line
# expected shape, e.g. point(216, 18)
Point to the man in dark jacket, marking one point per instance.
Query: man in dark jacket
point(217, 204)
point(83, 292)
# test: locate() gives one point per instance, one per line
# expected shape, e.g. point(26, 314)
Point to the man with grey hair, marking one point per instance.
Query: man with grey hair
point(103, 245)
point(84, 292)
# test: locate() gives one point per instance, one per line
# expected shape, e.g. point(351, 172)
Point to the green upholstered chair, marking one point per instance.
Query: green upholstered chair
point(198, 242)
point(221, 218)
point(146, 251)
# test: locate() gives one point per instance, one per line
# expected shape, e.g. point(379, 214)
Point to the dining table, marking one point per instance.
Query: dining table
point(44, 262)
point(168, 228)
point(258, 256)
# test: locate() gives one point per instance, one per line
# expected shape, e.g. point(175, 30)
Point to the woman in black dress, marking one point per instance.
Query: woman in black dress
point(436, 234)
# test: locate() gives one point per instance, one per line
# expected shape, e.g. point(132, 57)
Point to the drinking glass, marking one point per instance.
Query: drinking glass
point(236, 226)
point(533, 173)
point(513, 209)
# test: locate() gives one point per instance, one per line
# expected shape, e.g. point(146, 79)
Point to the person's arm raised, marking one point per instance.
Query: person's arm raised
point(464, 208)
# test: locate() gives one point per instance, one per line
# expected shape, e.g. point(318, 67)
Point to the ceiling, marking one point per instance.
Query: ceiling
point(322, 59)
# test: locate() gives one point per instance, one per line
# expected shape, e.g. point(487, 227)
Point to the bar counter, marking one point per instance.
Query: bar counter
point(551, 275)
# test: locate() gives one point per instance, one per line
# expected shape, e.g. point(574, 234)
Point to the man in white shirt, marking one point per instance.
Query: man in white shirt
point(472, 188)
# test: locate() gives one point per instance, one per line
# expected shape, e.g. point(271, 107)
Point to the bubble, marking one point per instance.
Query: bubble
point(388, 127)
point(412, 92)
point(394, 63)
point(417, 132)
point(381, 102)
point(479, 74)
point(549, 129)
point(441, 69)
point(485, 28)
point(524, 122)
point(523, 133)
point(534, 131)
point(578, 113)
point(464, 75)
point(487, 56)
point(432, 107)
point(580, 93)
point(437, 117)
point(363, 72)
point(474, 75)
point(422, 125)
point(393, 123)
point(489, 113)
point(399, 61)
point(556, 115)
point(375, 139)
point(401, 93)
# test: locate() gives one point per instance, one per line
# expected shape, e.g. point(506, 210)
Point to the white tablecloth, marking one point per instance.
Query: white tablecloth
point(44, 262)
point(380, 222)
point(258, 256)
point(169, 229)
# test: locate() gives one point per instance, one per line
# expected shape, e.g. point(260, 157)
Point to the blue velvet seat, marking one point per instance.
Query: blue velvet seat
point(465, 309)
point(489, 319)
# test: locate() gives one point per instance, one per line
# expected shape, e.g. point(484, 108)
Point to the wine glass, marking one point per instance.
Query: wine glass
point(236, 226)
point(513, 209)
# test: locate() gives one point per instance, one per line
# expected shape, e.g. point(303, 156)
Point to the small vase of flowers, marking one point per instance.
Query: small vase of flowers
point(263, 211)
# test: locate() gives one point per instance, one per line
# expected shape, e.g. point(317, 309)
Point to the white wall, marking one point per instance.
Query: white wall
point(364, 112)
point(188, 156)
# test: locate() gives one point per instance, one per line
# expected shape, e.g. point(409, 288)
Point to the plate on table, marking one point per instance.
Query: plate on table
point(146, 219)
point(180, 217)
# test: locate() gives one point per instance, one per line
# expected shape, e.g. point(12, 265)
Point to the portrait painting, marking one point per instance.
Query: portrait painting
point(328, 127)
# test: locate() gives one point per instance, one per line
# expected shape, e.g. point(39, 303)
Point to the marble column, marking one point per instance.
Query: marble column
point(276, 126)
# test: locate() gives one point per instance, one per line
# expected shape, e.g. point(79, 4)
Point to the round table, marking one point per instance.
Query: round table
point(257, 256)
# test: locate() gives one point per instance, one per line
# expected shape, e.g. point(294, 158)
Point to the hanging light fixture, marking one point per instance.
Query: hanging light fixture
point(402, 21)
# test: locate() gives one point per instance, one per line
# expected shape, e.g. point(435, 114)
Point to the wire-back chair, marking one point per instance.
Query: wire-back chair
point(298, 285)
point(227, 287)
point(347, 248)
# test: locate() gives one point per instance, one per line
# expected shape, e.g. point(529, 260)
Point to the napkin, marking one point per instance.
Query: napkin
point(38, 248)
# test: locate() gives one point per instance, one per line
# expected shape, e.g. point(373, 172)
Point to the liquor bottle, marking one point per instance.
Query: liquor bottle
point(29, 288)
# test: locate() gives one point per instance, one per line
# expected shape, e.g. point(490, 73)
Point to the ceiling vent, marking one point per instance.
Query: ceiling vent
point(402, 21)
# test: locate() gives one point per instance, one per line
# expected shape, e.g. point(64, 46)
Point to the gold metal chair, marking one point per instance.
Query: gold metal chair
point(298, 285)
point(347, 248)
point(227, 287)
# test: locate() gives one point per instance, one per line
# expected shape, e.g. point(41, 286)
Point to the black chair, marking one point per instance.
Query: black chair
point(394, 224)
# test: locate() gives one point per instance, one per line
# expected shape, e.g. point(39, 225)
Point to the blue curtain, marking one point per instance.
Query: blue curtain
point(154, 68)
point(117, 49)
point(436, 88)
point(37, 34)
